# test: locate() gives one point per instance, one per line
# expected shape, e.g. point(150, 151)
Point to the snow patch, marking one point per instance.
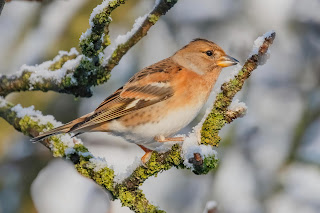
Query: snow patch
point(129, 170)
point(192, 141)
point(259, 41)
point(2, 102)
point(69, 151)
point(124, 38)
point(41, 72)
point(35, 115)
point(236, 105)
point(235, 70)
point(98, 163)
point(98, 9)
point(137, 24)
point(211, 206)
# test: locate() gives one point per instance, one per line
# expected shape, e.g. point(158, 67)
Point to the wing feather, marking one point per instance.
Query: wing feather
point(134, 95)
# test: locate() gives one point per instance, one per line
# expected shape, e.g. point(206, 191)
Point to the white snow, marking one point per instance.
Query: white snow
point(235, 70)
point(236, 105)
point(35, 115)
point(41, 72)
point(258, 42)
point(124, 38)
point(44, 120)
point(98, 9)
point(137, 24)
point(191, 143)
point(2, 102)
point(119, 177)
point(98, 163)
point(69, 151)
point(85, 154)
point(211, 205)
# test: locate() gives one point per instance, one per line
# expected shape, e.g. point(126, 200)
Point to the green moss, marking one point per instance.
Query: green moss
point(58, 64)
point(26, 123)
point(92, 45)
point(80, 148)
point(159, 162)
point(59, 147)
point(87, 47)
point(26, 76)
point(210, 129)
point(102, 76)
point(113, 3)
point(106, 41)
point(66, 82)
point(153, 18)
point(82, 167)
point(136, 201)
point(104, 177)
point(209, 163)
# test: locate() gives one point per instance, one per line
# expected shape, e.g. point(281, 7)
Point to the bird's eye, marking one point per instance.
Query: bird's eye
point(209, 53)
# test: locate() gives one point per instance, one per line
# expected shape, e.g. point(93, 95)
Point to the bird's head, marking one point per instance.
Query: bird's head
point(202, 56)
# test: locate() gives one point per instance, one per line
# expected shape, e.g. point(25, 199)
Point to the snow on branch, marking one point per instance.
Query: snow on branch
point(139, 30)
point(220, 114)
point(52, 75)
point(198, 146)
point(90, 68)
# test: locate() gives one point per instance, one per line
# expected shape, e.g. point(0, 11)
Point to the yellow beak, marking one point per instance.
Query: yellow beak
point(226, 61)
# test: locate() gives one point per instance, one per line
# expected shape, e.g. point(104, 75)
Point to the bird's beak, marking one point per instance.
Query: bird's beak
point(226, 61)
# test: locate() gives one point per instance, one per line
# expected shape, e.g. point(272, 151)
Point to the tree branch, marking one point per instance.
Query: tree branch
point(92, 69)
point(219, 114)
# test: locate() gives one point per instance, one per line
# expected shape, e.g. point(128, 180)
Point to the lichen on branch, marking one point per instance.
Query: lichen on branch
point(219, 114)
point(94, 67)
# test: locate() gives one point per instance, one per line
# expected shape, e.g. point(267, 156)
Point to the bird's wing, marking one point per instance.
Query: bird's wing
point(149, 86)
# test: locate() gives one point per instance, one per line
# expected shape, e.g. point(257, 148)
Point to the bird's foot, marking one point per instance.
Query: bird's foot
point(146, 157)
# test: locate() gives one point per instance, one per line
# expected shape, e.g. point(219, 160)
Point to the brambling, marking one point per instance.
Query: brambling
point(157, 101)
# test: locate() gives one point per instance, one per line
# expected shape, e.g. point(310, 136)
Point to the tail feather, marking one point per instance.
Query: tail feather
point(67, 128)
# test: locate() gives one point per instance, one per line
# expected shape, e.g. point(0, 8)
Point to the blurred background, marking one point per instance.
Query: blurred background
point(269, 159)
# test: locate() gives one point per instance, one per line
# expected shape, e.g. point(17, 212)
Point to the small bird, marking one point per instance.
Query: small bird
point(157, 101)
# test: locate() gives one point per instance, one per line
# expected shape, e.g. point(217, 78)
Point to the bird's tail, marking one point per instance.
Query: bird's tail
point(67, 128)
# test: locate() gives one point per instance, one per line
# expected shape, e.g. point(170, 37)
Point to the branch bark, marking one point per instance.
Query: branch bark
point(91, 70)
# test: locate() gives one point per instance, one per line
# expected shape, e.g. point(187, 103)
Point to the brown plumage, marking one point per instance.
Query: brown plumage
point(157, 101)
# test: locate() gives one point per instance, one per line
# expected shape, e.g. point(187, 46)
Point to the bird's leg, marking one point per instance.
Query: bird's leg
point(147, 155)
point(163, 139)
